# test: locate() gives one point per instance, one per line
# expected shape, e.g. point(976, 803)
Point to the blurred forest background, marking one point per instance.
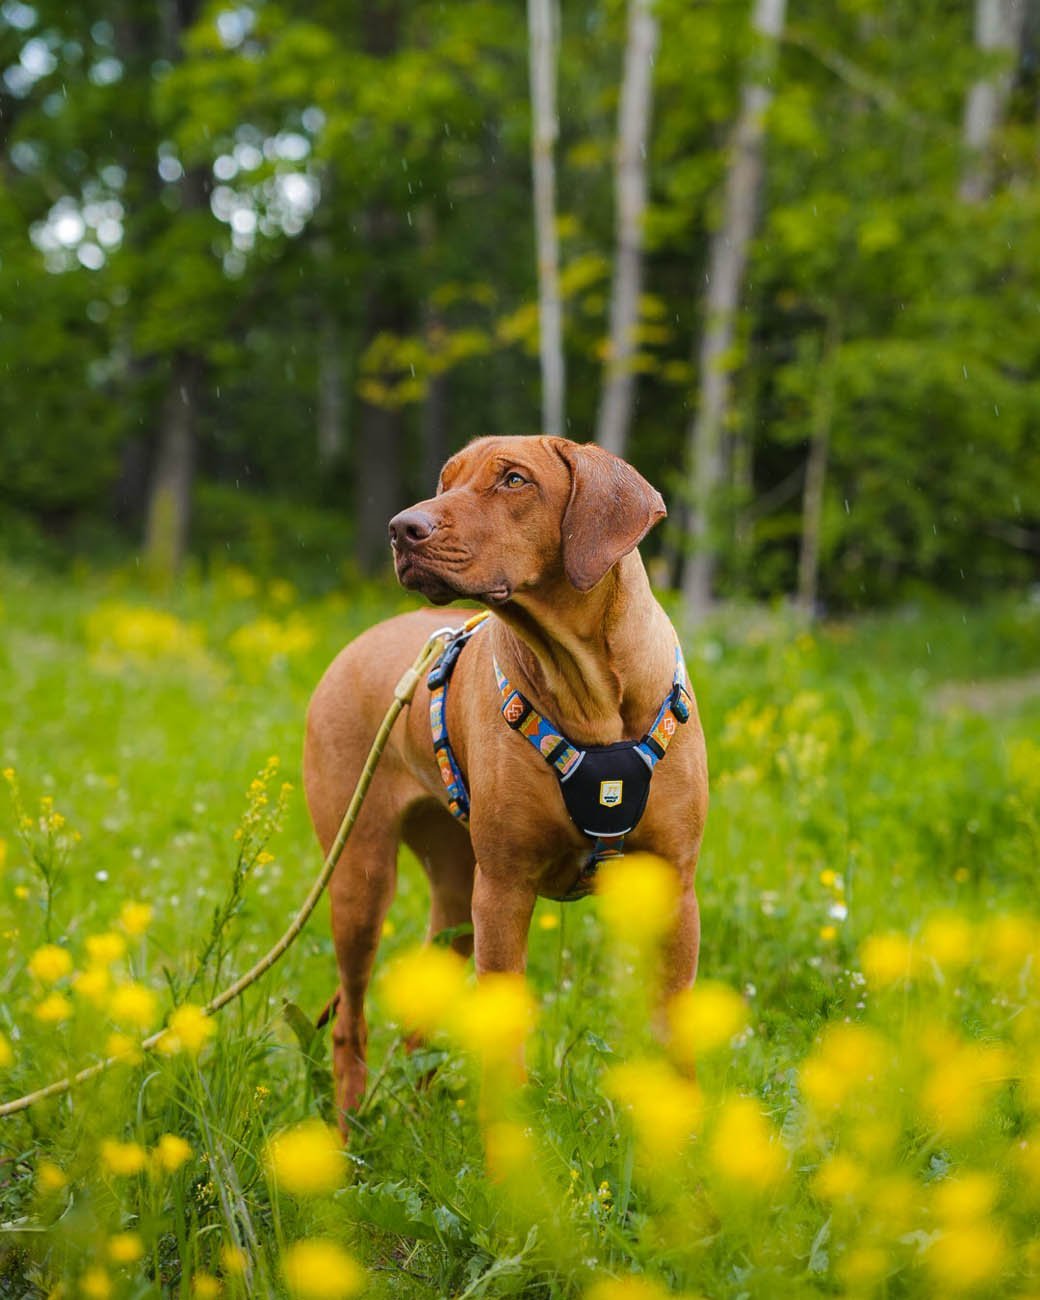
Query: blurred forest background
point(262, 267)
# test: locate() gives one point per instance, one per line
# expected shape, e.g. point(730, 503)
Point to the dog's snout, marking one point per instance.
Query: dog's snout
point(411, 527)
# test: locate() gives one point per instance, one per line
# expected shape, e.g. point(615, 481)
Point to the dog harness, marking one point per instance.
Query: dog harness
point(604, 787)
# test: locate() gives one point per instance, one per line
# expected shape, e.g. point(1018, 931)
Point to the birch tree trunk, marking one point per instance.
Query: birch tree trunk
point(169, 499)
point(816, 476)
point(727, 260)
point(630, 189)
point(998, 29)
point(544, 130)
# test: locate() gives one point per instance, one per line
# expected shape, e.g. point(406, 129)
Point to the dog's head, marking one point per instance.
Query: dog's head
point(513, 514)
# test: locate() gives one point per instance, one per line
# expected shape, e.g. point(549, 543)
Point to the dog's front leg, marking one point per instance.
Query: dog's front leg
point(502, 907)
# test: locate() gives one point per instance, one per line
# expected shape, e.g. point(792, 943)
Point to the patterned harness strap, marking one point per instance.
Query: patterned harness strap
point(451, 775)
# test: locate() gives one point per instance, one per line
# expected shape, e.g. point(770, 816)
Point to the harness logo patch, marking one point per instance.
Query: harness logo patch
point(514, 708)
point(610, 793)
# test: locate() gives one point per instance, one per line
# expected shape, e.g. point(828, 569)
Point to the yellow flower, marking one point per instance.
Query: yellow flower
point(828, 933)
point(92, 984)
point(388, 928)
point(949, 940)
point(494, 1018)
point(744, 1149)
point(632, 1287)
point(887, 959)
point(124, 1048)
point(845, 1057)
point(548, 921)
point(422, 987)
point(1008, 942)
point(53, 1009)
point(125, 1248)
point(839, 1178)
point(188, 1031)
point(6, 1054)
point(966, 1198)
point(204, 1286)
point(828, 878)
point(958, 1087)
point(123, 1158)
point(49, 1177)
point(321, 1270)
point(863, 1266)
point(96, 1284)
point(704, 1018)
point(665, 1108)
point(306, 1160)
point(3, 853)
point(135, 918)
point(50, 963)
point(969, 1255)
point(638, 895)
point(233, 1258)
point(509, 1150)
point(170, 1152)
point(134, 1004)
point(104, 949)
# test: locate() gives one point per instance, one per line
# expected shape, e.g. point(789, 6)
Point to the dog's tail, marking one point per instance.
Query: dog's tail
point(329, 1010)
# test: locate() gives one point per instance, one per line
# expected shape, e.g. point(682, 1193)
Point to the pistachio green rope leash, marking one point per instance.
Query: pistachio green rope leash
point(403, 693)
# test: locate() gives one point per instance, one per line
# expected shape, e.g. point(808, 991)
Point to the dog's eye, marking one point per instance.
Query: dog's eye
point(514, 479)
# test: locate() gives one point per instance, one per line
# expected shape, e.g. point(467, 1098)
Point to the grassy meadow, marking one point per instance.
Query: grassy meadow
point(866, 1120)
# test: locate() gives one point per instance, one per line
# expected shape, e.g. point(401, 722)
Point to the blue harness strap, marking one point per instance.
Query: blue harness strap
point(605, 784)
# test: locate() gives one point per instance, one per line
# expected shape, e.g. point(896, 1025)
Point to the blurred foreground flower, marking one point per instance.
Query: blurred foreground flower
point(104, 949)
point(887, 959)
point(321, 1270)
point(665, 1109)
point(965, 1257)
point(50, 963)
point(171, 1152)
point(53, 1009)
point(744, 1148)
point(703, 1019)
point(135, 918)
point(134, 1004)
point(845, 1057)
point(494, 1018)
point(125, 1248)
point(638, 894)
point(626, 1288)
point(123, 1158)
point(188, 1031)
point(306, 1160)
point(6, 1055)
point(509, 1150)
point(50, 1177)
point(423, 987)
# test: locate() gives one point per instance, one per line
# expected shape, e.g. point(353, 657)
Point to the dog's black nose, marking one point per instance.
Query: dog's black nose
point(410, 527)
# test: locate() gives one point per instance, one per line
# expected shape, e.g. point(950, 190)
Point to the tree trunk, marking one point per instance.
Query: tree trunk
point(169, 504)
point(544, 128)
point(630, 188)
point(998, 30)
point(169, 501)
point(331, 408)
point(727, 259)
point(816, 477)
point(378, 484)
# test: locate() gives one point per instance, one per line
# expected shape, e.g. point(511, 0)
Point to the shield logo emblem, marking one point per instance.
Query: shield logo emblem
point(610, 793)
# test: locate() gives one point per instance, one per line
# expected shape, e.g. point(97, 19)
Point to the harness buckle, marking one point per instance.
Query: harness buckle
point(679, 703)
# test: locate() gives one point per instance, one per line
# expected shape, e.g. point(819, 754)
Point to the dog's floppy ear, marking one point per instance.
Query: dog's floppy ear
point(611, 509)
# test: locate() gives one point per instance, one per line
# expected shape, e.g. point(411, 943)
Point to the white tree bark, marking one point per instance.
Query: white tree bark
point(544, 130)
point(998, 30)
point(630, 189)
point(816, 475)
point(727, 260)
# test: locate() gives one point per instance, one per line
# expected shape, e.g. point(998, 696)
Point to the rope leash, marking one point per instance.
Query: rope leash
point(403, 694)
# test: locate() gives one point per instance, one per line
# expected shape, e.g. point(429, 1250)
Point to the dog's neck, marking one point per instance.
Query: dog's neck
point(597, 663)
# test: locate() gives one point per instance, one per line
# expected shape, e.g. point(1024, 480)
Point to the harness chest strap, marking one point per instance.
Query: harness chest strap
point(604, 787)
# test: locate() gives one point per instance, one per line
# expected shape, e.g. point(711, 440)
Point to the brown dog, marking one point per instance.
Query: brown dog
point(543, 531)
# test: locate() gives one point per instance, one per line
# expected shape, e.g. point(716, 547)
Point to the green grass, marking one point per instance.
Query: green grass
point(830, 753)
